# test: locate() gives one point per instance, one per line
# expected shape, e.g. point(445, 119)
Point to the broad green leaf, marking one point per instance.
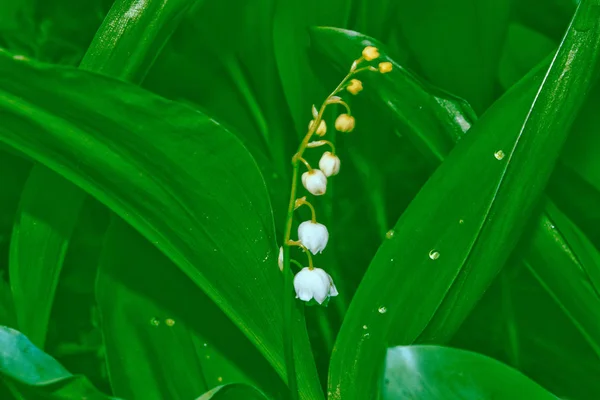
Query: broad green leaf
point(456, 246)
point(164, 338)
point(233, 391)
point(465, 37)
point(132, 35)
point(40, 238)
point(50, 204)
point(178, 177)
point(435, 372)
point(34, 374)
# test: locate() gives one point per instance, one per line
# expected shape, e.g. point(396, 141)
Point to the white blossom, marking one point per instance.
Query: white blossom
point(280, 259)
point(315, 182)
point(314, 283)
point(313, 236)
point(329, 164)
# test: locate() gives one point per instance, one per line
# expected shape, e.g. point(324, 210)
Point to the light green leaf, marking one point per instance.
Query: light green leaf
point(178, 177)
point(435, 372)
point(34, 374)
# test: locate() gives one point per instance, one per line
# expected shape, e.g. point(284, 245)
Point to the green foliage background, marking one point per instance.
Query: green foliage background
point(144, 171)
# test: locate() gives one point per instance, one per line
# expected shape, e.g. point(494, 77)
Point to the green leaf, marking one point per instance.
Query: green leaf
point(456, 246)
point(178, 177)
point(435, 372)
point(50, 204)
point(233, 391)
point(463, 37)
point(35, 374)
point(164, 338)
point(40, 238)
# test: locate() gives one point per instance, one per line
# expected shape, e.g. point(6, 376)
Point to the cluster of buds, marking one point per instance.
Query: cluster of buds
point(310, 282)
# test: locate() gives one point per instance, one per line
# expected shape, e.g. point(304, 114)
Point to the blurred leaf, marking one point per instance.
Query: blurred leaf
point(233, 391)
point(35, 374)
point(448, 239)
point(523, 50)
point(40, 238)
point(465, 37)
point(147, 159)
point(164, 338)
point(435, 372)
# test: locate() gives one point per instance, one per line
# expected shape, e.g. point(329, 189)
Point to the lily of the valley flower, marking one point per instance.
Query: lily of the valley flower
point(355, 86)
point(315, 182)
point(344, 123)
point(321, 130)
point(313, 236)
point(329, 164)
point(314, 283)
point(370, 53)
point(280, 259)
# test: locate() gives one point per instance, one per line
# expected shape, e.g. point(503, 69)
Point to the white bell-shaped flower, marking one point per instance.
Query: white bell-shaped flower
point(313, 236)
point(314, 283)
point(315, 182)
point(329, 164)
point(280, 259)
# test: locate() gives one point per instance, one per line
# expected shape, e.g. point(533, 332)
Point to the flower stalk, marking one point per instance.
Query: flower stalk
point(310, 282)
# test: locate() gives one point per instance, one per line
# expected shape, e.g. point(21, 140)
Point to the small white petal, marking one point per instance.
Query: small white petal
point(313, 235)
point(314, 283)
point(329, 164)
point(280, 259)
point(315, 182)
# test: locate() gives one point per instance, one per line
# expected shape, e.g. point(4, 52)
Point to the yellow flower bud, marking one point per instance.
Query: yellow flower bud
point(344, 123)
point(385, 67)
point(355, 86)
point(370, 53)
point(321, 130)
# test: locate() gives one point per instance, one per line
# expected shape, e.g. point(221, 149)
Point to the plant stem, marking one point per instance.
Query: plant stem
point(288, 300)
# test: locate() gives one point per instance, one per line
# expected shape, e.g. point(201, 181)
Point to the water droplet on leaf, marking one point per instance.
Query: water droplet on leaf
point(499, 155)
point(382, 310)
point(434, 255)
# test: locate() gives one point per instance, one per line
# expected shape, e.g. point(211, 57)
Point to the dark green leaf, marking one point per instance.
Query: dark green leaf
point(456, 246)
point(233, 391)
point(434, 372)
point(164, 338)
point(465, 37)
point(40, 238)
point(35, 374)
point(178, 177)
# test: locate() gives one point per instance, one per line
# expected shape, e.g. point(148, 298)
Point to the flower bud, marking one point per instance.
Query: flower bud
point(329, 164)
point(370, 53)
point(315, 182)
point(313, 236)
point(385, 67)
point(344, 123)
point(314, 283)
point(321, 130)
point(280, 259)
point(355, 86)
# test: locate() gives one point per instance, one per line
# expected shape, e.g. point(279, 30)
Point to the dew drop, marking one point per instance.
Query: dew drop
point(170, 322)
point(382, 310)
point(434, 255)
point(461, 221)
point(154, 322)
point(205, 344)
point(366, 335)
point(389, 234)
point(365, 327)
point(499, 155)
point(220, 379)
